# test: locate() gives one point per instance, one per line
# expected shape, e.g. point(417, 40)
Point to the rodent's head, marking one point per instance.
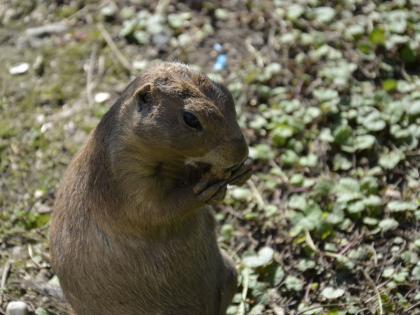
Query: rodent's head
point(176, 112)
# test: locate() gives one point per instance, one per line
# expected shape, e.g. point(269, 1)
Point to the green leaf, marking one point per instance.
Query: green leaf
point(377, 37)
point(270, 70)
point(311, 114)
point(372, 201)
point(309, 309)
point(312, 219)
point(298, 202)
point(388, 224)
point(345, 262)
point(397, 21)
point(305, 264)
point(389, 160)
point(178, 20)
point(340, 73)
point(401, 276)
point(336, 217)
point(128, 27)
point(41, 311)
point(416, 272)
point(257, 310)
point(347, 189)
point(373, 121)
point(141, 37)
point(289, 158)
point(323, 187)
point(331, 294)
point(297, 180)
point(370, 221)
point(326, 136)
point(240, 193)
point(399, 132)
point(369, 185)
point(281, 133)
point(311, 160)
point(325, 94)
point(340, 162)
point(261, 152)
point(278, 276)
point(390, 85)
point(356, 207)
point(270, 210)
point(258, 122)
point(227, 231)
point(414, 108)
point(42, 219)
point(364, 142)
point(342, 134)
point(295, 11)
point(232, 310)
point(399, 206)
point(293, 283)
point(264, 257)
point(388, 272)
point(324, 14)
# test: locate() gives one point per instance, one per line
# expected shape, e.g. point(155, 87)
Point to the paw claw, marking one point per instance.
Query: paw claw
point(241, 179)
point(213, 192)
point(242, 174)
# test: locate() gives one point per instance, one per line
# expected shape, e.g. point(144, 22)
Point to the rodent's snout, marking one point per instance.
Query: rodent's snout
point(235, 154)
point(226, 158)
point(239, 151)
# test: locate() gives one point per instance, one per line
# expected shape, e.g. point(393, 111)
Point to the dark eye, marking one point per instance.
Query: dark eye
point(192, 121)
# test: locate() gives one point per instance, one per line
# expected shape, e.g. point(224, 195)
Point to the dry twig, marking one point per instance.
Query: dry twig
point(5, 274)
point(378, 295)
point(245, 284)
point(31, 255)
point(90, 84)
point(120, 57)
point(257, 195)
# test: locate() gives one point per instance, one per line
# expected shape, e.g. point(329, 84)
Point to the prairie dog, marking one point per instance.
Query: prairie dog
point(131, 232)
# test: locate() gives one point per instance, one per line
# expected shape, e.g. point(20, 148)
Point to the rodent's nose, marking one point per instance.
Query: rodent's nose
point(238, 152)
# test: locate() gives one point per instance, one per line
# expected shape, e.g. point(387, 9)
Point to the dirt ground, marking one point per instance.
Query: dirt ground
point(327, 94)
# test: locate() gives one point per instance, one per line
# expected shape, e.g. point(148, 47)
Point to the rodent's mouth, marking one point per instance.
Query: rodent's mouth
point(200, 170)
point(197, 170)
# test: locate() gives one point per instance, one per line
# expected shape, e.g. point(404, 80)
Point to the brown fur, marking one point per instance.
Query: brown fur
point(131, 233)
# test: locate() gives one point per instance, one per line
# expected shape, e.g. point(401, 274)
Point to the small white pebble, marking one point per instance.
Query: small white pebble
point(109, 10)
point(19, 69)
point(17, 308)
point(40, 118)
point(38, 193)
point(45, 127)
point(70, 128)
point(140, 65)
point(102, 97)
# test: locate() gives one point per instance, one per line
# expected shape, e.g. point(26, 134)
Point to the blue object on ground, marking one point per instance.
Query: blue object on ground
point(217, 47)
point(221, 62)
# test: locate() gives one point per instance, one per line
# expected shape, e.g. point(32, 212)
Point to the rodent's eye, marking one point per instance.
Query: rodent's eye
point(191, 120)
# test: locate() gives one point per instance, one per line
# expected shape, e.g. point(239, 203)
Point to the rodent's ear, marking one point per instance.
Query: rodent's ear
point(143, 97)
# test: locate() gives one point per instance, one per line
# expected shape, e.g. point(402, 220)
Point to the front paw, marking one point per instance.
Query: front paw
point(210, 193)
point(241, 174)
